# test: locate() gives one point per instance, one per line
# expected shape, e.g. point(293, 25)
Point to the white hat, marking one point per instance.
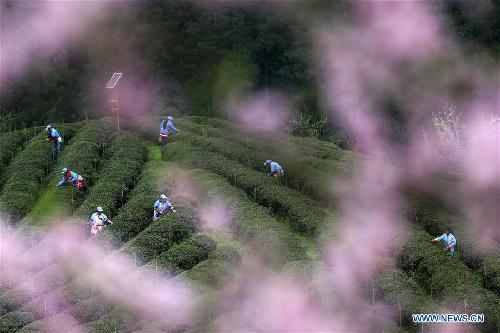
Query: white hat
point(64, 170)
point(163, 196)
point(170, 118)
point(49, 126)
point(99, 209)
point(267, 162)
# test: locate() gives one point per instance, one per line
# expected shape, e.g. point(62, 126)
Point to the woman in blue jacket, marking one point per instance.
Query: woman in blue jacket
point(165, 127)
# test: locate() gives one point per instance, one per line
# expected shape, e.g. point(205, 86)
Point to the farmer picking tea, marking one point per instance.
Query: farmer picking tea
point(448, 240)
point(70, 177)
point(161, 207)
point(276, 169)
point(98, 220)
point(166, 126)
point(54, 136)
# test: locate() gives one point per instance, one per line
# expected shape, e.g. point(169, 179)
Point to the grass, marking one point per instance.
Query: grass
point(154, 152)
point(47, 205)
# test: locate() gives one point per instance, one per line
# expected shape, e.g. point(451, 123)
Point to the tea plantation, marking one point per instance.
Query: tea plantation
point(288, 221)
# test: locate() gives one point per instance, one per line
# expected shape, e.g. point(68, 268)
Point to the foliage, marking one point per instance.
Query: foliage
point(89, 145)
point(179, 257)
point(137, 212)
point(14, 321)
point(90, 309)
point(435, 219)
point(448, 278)
point(47, 93)
point(202, 50)
point(250, 221)
point(186, 254)
point(210, 272)
point(235, 174)
point(161, 235)
point(51, 304)
point(403, 293)
point(41, 283)
point(301, 173)
point(155, 239)
point(203, 276)
point(117, 176)
point(10, 144)
point(306, 214)
point(474, 26)
point(76, 298)
point(82, 156)
point(117, 320)
point(24, 176)
point(491, 268)
point(303, 124)
point(50, 324)
point(132, 218)
point(261, 140)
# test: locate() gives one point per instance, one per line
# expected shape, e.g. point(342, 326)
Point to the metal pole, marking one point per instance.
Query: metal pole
point(117, 109)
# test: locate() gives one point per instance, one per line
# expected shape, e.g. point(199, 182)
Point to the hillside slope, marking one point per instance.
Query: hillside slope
point(210, 164)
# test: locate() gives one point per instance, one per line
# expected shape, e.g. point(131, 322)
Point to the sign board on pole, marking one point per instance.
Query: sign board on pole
point(114, 96)
point(114, 80)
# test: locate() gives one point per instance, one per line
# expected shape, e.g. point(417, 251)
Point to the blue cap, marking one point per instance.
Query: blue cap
point(99, 209)
point(64, 170)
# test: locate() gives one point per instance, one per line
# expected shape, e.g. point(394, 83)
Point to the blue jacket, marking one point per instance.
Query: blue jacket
point(74, 178)
point(54, 133)
point(162, 206)
point(275, 166)
point(170, 126)
point(448, 239)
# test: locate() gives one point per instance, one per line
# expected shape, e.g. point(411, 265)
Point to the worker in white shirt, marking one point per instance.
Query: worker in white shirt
point(162, 206)
point(98, 221)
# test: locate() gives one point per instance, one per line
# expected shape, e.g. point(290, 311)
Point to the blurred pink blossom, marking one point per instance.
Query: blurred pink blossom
point(215, 214)
point(400, 30)
point(41, 28)
point(113, 276)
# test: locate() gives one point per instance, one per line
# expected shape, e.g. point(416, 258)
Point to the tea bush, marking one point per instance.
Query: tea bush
point(161, 235)
point(306, 214)
point(401, 292)
point(184, 255)
point(448, 278)
point(25, 175)
point(179, 257)
point(435, 219)
point(10, 144)
point(250, 220)
point(81, 156)
point(137, 212)
point(117, 176)
point(301, 175)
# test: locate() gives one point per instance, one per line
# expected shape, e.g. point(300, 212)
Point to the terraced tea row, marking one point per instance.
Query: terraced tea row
point(26, 174)
point(307, 216)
